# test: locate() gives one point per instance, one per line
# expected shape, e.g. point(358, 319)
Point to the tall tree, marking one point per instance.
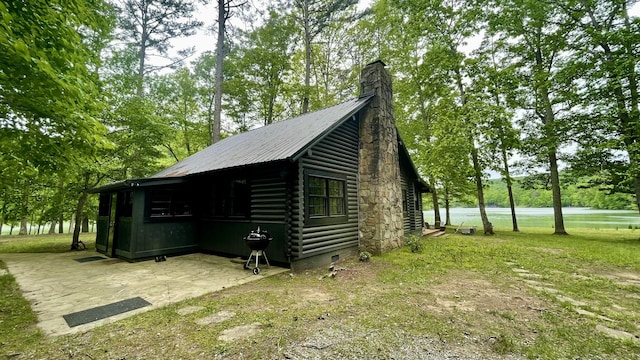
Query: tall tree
point(224, 13)
point(493, 82)
point(150, 25)
point(541, 48)
point(205, 75)
point(450, 25)
point(259, 68)
point(313, 16)
point(176, 96)
point(606, 59)
point(48, 89)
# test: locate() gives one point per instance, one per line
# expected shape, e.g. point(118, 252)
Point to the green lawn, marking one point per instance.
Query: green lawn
point(527, 294)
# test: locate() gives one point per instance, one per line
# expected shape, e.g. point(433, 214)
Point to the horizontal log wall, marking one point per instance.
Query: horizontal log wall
point(338, 154)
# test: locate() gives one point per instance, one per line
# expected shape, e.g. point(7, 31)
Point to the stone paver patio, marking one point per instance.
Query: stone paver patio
point(57, 285)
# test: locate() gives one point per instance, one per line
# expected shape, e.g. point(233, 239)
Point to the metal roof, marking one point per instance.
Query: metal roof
point(279, 141)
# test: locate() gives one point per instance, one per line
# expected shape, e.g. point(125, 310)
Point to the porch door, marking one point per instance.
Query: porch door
point(112, 237)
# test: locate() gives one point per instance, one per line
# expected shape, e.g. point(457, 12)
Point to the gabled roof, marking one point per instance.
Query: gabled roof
point(284, 140)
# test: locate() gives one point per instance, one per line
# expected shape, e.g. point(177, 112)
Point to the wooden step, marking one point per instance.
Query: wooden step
point(432, 232)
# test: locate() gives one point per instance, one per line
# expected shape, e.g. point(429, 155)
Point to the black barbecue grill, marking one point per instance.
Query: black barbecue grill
point(257, 241)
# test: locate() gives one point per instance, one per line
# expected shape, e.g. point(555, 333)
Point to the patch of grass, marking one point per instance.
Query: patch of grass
point(54, 243)
point(17, 321)
point(458, 294)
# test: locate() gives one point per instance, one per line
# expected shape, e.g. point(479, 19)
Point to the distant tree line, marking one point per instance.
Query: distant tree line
point(574, 195)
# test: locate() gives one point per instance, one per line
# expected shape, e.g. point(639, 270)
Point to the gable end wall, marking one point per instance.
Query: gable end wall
point(336, 153)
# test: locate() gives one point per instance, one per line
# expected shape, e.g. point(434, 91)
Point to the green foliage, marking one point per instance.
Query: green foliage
point(364, 256)
point(256, 73)
point(47, 64)
point(414, 243)
point(149, 26)
point(527, 194)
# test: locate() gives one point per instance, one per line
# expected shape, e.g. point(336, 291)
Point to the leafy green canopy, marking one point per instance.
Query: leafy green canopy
point(48, 86)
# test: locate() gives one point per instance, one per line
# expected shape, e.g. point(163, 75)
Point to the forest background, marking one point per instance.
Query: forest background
point(542, 93)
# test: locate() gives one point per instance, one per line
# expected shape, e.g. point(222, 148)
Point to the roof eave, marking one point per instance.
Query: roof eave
point(132, 183)
point(425, 187)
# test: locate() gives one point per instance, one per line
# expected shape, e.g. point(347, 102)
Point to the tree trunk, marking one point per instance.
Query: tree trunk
point(558, 219)
point(142, 55)
point(477, 173)
point(52, 229)
point(85, 222)
point(11, 229)
point(217, 112)
point(71, 222)
point(61, 222)
point(82, 199)
point(551, 148)
point(307, 58)
point(477, 170)
point(436, 206)
point(23, 225)
point(185, 128)
point(507, 176)
point(4, 210)
point(447, 203)
point(24, 212)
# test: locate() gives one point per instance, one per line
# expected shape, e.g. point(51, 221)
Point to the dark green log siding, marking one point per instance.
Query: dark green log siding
point(337, 153)
point(268, 210)
point(268, 200)
point(406, 214)
point(156, 237)
point(412, 218)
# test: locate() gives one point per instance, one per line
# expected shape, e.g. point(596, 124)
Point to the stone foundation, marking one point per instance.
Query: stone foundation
point(380, 202)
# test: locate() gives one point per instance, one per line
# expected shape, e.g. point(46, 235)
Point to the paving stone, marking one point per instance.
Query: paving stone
point(240, 332)
point(617, 334)
point(530, 275)
point(544, 289)
point(56, 285)
point(536, 283)
point(589, 313)
point(570, 300)
point(618, 307)
point(581, 277)
point(189, 310)
point(216, 318)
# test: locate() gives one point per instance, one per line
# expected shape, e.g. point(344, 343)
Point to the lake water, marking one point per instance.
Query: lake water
point(543, 217)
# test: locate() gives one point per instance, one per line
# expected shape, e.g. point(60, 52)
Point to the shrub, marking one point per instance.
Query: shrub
point(414, 243)
point(364, 256)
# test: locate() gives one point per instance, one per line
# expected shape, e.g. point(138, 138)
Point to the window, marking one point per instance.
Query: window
point(169, 202)
point(326, 198)
point(105, 204)
point(230, 199)
point(125, 204)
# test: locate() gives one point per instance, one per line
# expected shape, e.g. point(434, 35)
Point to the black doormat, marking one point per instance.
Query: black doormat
point(105, 311)
point(90, 258)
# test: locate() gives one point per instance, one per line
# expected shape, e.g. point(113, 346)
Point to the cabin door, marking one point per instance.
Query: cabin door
point(112, 237)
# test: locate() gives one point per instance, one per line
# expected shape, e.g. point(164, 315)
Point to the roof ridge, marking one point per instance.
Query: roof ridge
point(322, 109)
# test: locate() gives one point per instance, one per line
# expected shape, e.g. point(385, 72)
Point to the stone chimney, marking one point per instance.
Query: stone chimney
point(380, 225)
